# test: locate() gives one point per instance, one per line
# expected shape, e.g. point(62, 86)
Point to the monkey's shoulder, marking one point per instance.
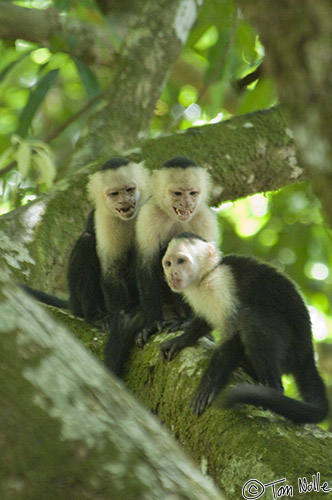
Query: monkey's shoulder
point(260, 281)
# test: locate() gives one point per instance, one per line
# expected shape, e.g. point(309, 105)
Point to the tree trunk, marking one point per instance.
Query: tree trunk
point(68, 430)
point(297, 39)
point(147, 56)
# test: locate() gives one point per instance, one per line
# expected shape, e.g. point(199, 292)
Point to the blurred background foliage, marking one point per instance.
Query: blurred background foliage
point(46, 96)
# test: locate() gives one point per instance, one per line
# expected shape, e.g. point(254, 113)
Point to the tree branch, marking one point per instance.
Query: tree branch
point(232, 446)
point(47, 27)
point(245, 155)
point(70, 430)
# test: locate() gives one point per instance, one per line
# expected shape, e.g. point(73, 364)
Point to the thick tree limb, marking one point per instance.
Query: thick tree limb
point(245, 155)
point(232, 446)
point(68, 429)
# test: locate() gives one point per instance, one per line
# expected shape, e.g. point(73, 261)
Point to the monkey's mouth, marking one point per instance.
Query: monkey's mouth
point(175, 284)
point(127, 211)
point(183, 215)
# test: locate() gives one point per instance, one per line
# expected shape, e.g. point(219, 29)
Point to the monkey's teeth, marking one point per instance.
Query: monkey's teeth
point(183, 214)
point(126, 211)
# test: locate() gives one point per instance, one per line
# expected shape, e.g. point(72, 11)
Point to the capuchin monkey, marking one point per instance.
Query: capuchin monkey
point(101, 269)
point(180, 192)
point(264, 322)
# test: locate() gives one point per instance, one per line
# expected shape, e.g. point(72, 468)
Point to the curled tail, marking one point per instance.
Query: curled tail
point(45, 298)
point(313, 409)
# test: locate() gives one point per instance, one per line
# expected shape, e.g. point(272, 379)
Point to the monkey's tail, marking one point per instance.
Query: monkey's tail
point(45, 298)
point(313, 409)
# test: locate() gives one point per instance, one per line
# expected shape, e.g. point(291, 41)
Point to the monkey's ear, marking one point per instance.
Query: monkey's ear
point(211, 249)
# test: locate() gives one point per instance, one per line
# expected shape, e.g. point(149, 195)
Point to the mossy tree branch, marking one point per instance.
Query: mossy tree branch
point(70, 430)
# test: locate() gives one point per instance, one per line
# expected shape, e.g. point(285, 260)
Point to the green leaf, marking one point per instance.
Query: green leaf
point(46, 168)
point(12, 64)
point(23, 158)
point(89, 81)
point(36, 98)
point(245, 43)
point(5, 156)
point(261, 97)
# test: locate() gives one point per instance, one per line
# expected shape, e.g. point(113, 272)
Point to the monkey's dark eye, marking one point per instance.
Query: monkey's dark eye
point(193, 193)
point(177, 193)
point(167, 263)
point(130, 190)
point(113, 194)
point(181, 260)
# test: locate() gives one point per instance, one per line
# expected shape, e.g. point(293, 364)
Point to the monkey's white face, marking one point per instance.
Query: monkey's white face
point(122, 201)
point(182, 201)
point(180, 267)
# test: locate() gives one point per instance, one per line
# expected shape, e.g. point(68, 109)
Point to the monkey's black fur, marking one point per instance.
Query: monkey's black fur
point(114, 163)
point(270, 334)
point(179, 162)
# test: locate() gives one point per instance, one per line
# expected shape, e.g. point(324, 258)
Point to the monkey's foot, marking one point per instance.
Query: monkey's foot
point(171, 347)
point(144, 335)
point(203, 397)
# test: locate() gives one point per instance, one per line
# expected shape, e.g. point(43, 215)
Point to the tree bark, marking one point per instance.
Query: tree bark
point(245, 155)
point(68, 430)
point(297, 39)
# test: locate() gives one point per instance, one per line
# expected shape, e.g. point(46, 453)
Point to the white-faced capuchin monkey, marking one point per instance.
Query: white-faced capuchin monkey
point(180, 192)
point(101, 272)
point(263, 320)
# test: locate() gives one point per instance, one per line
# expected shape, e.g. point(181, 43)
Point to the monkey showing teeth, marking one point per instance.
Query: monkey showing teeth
point(180, 192)
point(183, 215)
point(101, 265)
point(264, 324)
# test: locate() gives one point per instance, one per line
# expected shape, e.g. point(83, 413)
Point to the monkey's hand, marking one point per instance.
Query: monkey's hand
point(204, 396)
point(171, 347)
point(144, 335)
